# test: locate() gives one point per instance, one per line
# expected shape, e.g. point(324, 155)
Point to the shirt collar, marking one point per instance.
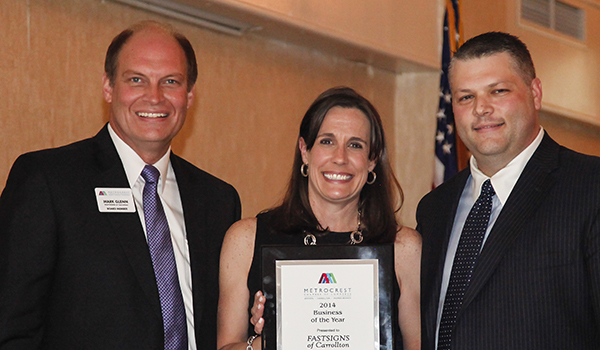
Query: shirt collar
point(505, 179)
point(133, 163)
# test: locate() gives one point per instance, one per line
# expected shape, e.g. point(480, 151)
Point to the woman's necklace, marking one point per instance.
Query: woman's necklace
point(356, 236)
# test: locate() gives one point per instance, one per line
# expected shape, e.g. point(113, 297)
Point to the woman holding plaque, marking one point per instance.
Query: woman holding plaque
point(342, 191)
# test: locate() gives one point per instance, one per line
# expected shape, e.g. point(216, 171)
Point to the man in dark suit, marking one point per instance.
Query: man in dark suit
point(532, 278)
point(79, 268)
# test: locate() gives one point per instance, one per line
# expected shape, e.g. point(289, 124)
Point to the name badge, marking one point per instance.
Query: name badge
point(114, 200)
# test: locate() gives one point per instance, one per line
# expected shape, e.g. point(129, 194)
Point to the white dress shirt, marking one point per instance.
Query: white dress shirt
point(503, 183)
point(168, 191)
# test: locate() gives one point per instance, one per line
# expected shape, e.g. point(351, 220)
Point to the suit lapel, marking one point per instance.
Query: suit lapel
point(450, 207)
point(194, 212)
point(529, 192)
point(434, 253)
point(126, 227)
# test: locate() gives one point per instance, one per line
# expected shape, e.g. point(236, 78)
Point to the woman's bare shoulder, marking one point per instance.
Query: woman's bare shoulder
point(241, 233)
point(408, 238)
point(242, 227)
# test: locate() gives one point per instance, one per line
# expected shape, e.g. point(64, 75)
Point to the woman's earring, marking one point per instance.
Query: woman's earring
point(304, 169)
point(374, 177)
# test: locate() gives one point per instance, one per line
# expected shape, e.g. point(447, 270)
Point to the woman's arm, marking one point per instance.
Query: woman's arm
point(407, 250)
point(236, 259)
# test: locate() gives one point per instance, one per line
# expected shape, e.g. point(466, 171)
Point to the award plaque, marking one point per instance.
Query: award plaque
point(328, 297)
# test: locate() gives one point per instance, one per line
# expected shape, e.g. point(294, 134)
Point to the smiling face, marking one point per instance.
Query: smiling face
point(338, 163)
point(495, 109)
point(149, 97)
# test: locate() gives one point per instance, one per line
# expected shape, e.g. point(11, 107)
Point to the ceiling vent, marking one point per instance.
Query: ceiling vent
point(555, 15)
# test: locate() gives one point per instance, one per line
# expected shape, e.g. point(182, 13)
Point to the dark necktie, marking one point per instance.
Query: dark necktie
point(468, 249)
point(163, 261)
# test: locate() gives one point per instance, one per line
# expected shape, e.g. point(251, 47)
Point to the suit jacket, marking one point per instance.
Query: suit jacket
point(536, 284)
point(72, 277)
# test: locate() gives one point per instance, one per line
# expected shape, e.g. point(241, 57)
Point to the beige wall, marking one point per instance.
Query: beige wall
point(393, 34)
point(251, 94)
point(580, 136)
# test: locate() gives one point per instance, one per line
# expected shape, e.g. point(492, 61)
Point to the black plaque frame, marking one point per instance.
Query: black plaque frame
point(383, 253)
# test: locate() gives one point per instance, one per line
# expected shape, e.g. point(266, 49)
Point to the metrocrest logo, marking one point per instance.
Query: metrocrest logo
point(327, 278)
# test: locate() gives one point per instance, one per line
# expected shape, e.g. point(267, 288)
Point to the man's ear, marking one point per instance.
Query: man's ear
point(190, 96)
point(107, 89)
point(536, 90)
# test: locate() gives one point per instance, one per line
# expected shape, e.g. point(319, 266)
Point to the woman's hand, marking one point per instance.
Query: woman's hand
point(257, 312)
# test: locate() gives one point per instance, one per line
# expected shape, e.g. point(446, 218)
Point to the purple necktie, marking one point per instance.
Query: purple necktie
point(163, 261)
point(467, 252)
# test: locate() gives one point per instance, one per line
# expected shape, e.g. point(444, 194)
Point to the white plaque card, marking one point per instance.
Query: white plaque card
point(328, 304)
